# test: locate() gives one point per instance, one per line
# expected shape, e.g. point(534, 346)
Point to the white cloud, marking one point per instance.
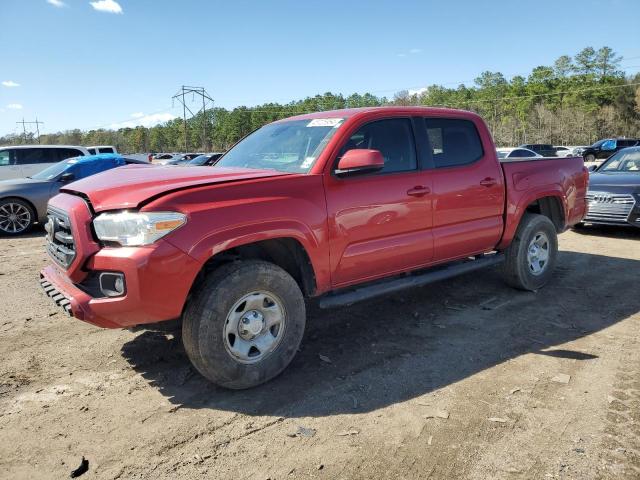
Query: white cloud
point(402, 54)
point(14, 106)
point(415, 50)
point(137, 115)
point(109, 6)
point(145, 121)
point(417, 91)
point(57, 3)
point(10, 83)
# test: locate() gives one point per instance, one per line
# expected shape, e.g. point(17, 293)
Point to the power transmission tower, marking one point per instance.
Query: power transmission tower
point(200, 91)
point(24, 128)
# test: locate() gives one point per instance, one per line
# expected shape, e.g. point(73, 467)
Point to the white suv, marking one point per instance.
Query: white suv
point(26, 160)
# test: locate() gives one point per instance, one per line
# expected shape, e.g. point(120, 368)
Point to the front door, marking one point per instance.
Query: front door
point(380, 223)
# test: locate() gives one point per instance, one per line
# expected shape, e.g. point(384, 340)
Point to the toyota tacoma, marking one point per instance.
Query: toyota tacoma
point(340, 206)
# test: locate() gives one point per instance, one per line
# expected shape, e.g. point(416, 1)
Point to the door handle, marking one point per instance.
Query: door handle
point(418, 191)
point(488, 182)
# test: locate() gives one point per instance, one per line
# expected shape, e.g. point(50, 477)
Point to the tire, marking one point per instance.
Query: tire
point(16, 216)
point(223, 317)
point(589, 157)
point(523, 268)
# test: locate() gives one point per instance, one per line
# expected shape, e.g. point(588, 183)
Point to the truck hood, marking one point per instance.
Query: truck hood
point(133, 185)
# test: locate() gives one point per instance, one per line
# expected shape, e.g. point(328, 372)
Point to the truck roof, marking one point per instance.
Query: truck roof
point(351, 112)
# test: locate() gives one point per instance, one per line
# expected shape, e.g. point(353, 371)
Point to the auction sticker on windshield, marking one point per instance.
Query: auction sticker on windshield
point(325, 122)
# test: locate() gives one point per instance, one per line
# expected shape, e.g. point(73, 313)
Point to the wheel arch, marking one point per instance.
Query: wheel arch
point(286, 252)
point(551, 207)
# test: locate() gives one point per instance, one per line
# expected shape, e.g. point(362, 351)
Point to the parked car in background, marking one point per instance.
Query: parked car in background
point(163, 158)
point(342, 205)
point(26, 160)
point(606, 147)
point(542, 149)
point(96, 149)
point(182, 159)
point(205, 160)
point(518, 152)
point(569, 151)
point(23, 201)
point(614, 190)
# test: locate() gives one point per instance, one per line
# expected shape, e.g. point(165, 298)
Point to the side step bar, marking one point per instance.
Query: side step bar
point(416, 280)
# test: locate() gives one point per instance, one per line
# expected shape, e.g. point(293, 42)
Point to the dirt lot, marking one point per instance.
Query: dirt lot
point(132, 405)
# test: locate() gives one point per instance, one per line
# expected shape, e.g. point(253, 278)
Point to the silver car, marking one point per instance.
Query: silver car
point(23, 201)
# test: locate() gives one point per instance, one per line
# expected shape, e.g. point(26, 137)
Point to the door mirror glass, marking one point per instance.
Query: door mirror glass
point(360, 160)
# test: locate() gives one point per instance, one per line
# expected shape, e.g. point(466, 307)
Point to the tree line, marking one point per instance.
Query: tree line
point(575, 101)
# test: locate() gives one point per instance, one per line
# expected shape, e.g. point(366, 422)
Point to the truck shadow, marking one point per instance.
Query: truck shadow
point(395, 349)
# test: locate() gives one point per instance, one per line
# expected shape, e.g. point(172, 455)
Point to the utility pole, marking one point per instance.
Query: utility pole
point(184, 90)
point(24, 128)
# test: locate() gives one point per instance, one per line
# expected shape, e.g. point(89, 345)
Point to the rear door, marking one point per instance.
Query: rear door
point(9, 167)
point(33, 160)
point(468, 189)
point(380, 223)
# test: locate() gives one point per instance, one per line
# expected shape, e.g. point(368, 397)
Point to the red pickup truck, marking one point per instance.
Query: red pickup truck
point(342, 205)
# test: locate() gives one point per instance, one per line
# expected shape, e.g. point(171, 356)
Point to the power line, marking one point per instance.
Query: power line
point(200, 91)
point(24, 128)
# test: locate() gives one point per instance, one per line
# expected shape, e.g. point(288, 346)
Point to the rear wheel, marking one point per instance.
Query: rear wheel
point(16, 216)
point(531, 257)
point(244, 324)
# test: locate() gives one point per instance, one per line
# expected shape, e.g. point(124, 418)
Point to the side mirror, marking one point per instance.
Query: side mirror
point(592, 168)
point(360, 160)
point(67, 177)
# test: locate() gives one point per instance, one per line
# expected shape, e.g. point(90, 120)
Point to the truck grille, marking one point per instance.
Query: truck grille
point(608, 207)
point(60, 244)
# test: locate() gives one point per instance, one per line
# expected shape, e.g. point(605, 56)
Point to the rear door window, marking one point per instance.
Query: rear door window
point(106, 150)
point(32, 156)
point(453, 142)
point(64, 153)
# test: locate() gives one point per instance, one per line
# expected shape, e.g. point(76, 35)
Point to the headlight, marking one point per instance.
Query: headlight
point(131, 229)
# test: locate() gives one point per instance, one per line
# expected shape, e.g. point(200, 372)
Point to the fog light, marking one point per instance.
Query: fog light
point(112, 284)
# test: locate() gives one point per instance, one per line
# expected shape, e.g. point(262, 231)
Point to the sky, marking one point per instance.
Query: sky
point(107, 63)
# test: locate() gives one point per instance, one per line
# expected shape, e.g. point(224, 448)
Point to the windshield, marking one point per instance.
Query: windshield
point(291, 146)
point(54, 170)
point(622, 161)
point(598, 143)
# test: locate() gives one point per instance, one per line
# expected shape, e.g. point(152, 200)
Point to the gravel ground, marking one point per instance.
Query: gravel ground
point(461, 379)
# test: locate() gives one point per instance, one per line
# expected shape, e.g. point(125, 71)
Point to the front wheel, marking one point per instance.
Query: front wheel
point(531, 257)
point(16, 216)
point(590, 157)
point(244, 324)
